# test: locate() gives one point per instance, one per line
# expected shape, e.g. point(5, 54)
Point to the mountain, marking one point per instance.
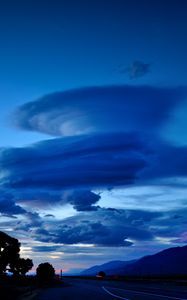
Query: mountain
point(112, 267)
point(172, 261)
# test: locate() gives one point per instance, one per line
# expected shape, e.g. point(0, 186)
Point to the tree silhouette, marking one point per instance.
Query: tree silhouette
point(9, 251)
point(101, 274)
point(45, 271)
point(9, 256)
point(21, 266)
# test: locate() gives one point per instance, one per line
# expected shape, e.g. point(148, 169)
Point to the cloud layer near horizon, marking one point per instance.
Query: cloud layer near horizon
point(104, 227)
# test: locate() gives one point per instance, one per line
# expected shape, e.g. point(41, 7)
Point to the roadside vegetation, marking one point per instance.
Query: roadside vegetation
point(14, 281)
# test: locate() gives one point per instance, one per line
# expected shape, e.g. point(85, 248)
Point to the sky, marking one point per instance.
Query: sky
point(93, 148)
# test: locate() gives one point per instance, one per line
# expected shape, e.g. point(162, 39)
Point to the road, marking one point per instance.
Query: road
point(79, 289)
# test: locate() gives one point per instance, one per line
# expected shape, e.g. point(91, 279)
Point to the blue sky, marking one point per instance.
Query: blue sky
point(93, 128)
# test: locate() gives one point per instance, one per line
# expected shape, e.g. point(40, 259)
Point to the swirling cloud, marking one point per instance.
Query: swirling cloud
point(99, 109)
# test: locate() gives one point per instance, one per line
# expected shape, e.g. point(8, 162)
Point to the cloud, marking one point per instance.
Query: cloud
point(8, 206)
point(32, 220)
point(104, 227)
point(100, 109)
point(104, 160)
point(82, 200)
point(49, 216)
point(170, 228)
point(45, 248)
point(94, 233)
point(102, 147)
point(110, 138)
point(65, 170)
point(182, 238)
point(37, 198)
point(155, 197)
point(136, 69)
point(169, 161)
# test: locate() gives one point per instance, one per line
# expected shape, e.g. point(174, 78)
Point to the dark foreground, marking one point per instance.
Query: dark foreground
point(75, 289)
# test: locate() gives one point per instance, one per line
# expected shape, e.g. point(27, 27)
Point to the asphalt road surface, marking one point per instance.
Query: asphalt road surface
point(80, 289)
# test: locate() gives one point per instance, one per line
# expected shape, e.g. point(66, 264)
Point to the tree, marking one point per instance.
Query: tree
point(21, 266)
point(101, 274)
point(9, 251)
point(45, 271)
point(10, 258)
point(25, 265)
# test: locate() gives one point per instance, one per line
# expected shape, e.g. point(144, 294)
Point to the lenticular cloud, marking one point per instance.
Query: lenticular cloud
point(104, 160)
point(99, 109)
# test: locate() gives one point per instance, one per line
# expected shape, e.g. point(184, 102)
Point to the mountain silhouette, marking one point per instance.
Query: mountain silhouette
point(169, 262)
point(112, 267)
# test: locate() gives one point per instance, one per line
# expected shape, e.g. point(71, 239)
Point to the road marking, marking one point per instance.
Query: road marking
point(113, 294)
point(144, 293)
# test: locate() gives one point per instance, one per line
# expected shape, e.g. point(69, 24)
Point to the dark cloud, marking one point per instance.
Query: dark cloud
point(64, 170)
point(105, 159)
point(82, 200)
point(182, 238)
point(172, 226)
point(136, 69)
point(87, 161)
point(37, 198)
point(45, 248)
point(104, 227)
point(95, 233)
point(168, 161)
point(49, 216)
point(32, 221)
point(100, 109)
point(8, 206)
point(100, 148)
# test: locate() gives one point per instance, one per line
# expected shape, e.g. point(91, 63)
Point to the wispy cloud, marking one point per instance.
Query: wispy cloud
point(136, 69)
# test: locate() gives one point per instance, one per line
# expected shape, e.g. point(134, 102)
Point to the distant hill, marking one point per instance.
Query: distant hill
point(112, 267)
point(172, 261)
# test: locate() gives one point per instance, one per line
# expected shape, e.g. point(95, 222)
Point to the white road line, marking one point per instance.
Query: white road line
point(113, 294)
point(144, 293)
